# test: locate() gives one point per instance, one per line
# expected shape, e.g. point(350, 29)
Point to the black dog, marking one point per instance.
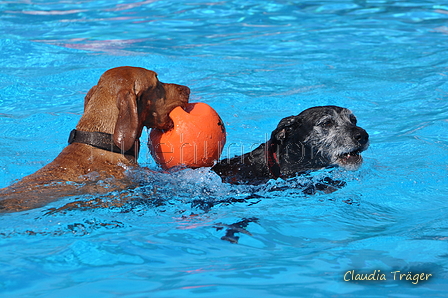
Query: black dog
point(317, 138)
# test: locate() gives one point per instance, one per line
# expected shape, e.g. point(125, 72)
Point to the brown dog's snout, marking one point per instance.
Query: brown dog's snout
point(185, 94)
point(177, 95)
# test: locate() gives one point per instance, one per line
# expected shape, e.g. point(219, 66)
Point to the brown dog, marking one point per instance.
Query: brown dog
point(106, 140)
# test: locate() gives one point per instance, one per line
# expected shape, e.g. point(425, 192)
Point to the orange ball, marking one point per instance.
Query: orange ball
point(196, 140)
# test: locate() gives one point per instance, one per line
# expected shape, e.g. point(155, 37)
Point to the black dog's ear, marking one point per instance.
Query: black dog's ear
point(279, 135)
point(285, 126)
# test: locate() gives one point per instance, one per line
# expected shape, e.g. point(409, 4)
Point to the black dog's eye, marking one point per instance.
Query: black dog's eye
point(353, 119)
point(326, 122)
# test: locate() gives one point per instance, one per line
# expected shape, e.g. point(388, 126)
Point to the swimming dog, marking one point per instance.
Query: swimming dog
point(319, 137)
point(106, 140)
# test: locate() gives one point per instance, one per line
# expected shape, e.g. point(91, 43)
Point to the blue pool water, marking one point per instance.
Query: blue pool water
point(255, 62)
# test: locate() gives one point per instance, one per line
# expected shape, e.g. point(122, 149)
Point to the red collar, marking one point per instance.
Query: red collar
point(272, 160)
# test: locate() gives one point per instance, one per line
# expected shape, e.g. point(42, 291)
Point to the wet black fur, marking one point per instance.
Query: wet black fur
point(297, 147)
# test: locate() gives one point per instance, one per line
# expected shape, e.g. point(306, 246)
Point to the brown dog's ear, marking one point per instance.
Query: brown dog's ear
point(88, 96)
point(126, 128)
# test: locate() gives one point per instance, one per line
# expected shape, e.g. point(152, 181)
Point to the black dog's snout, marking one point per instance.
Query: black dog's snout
point(361, 136)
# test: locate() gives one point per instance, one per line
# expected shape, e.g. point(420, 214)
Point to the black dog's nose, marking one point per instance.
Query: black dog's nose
point(361, 136)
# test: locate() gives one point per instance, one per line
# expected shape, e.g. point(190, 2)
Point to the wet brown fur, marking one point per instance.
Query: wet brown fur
point(125, 100)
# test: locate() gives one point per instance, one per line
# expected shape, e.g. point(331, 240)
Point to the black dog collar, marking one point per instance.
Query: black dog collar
point(273, 165)
point(100, 140)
